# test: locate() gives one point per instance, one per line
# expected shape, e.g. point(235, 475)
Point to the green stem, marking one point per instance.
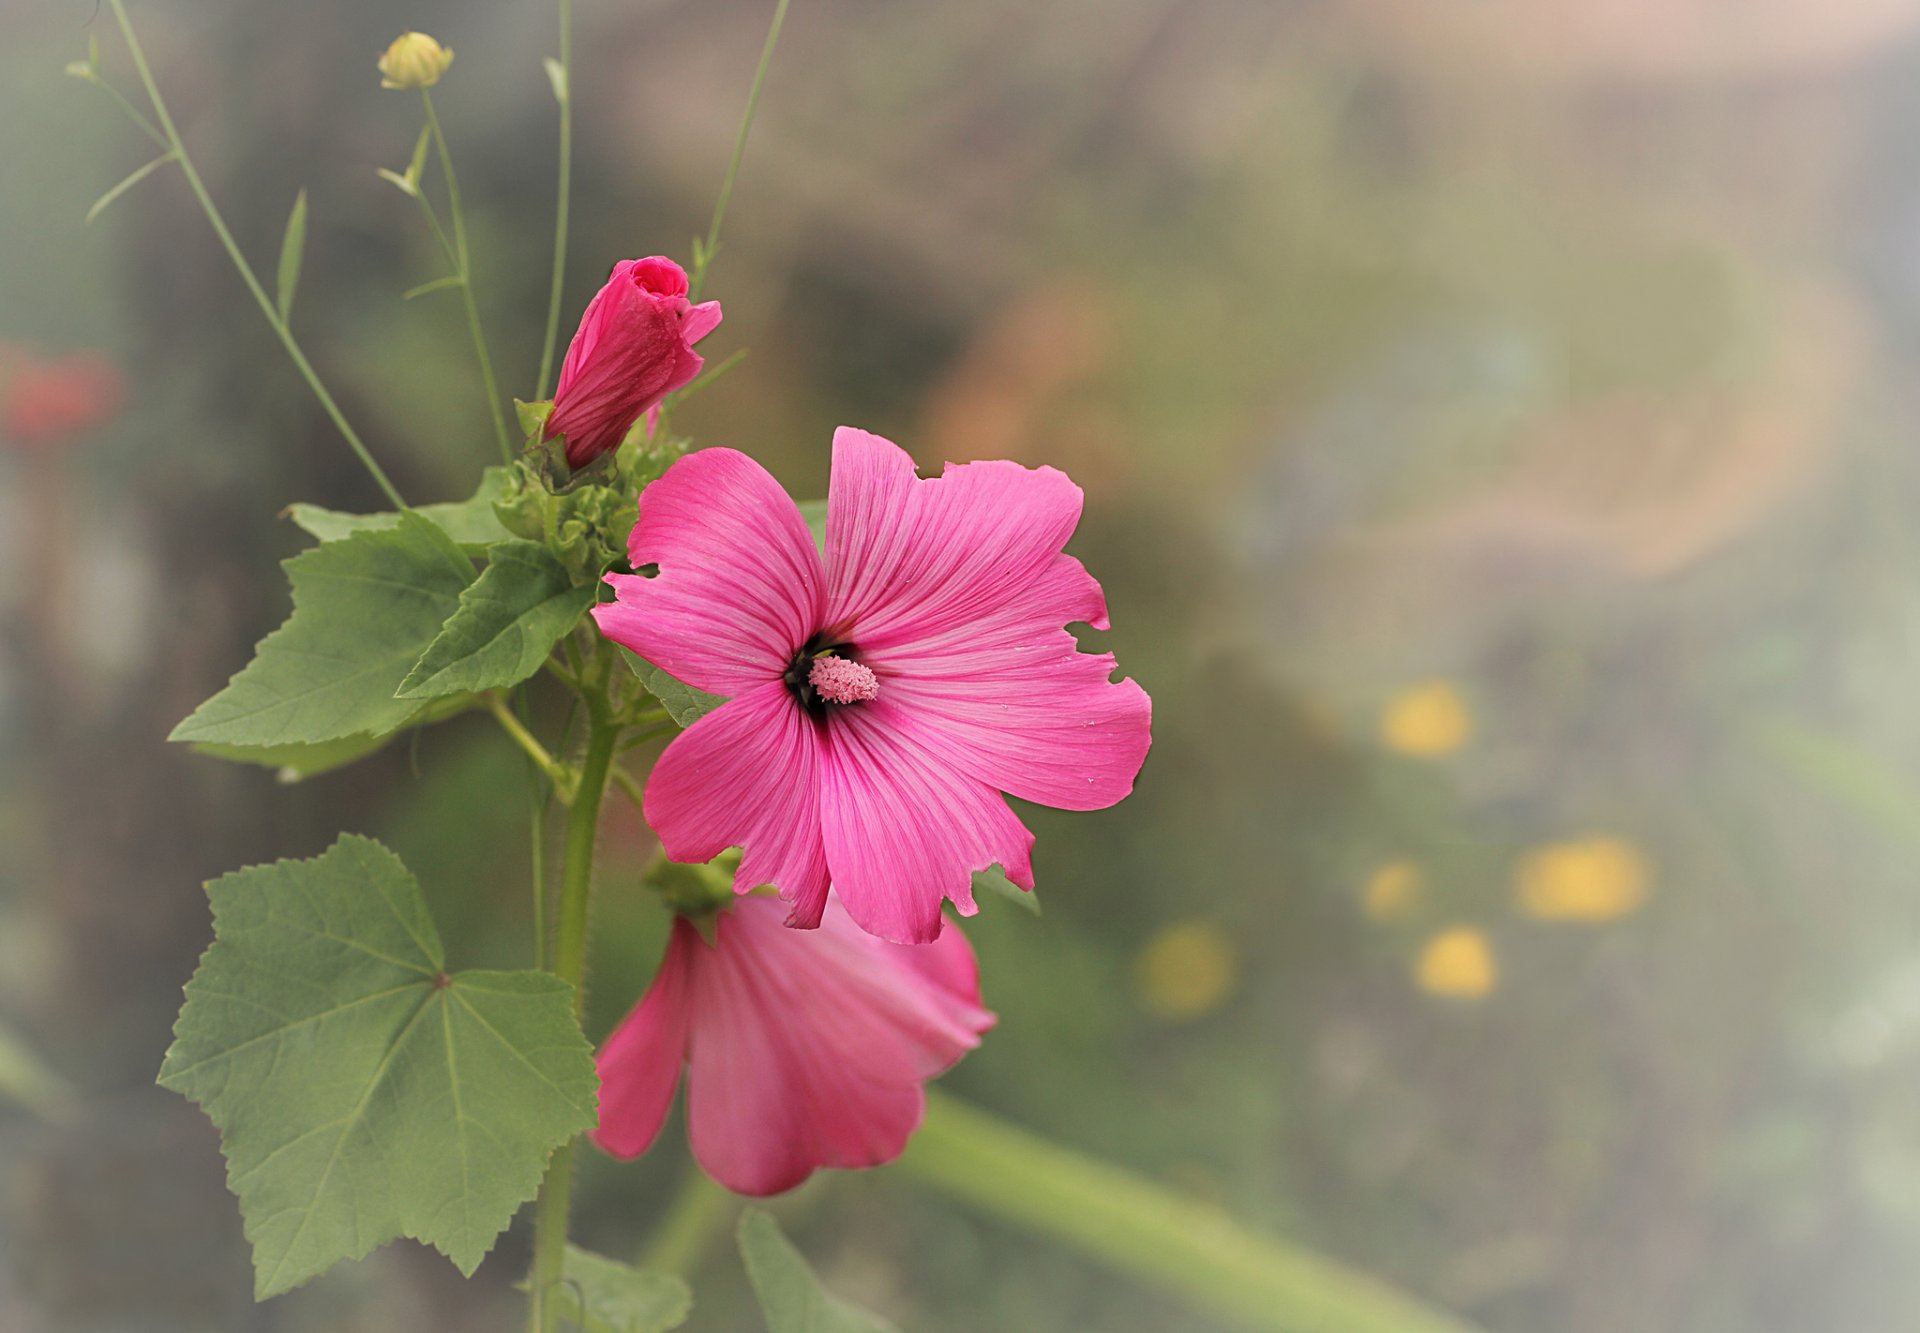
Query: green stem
point(570, 964)
point(705, 257)
point(466, 280)
point(267, 308)
point(698, 1213)
point(552, 340)
point(1144, 1231)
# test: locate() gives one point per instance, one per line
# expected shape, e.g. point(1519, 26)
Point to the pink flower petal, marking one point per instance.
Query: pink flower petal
point(747, 775)
point(809, 1049)
point(908, 557)
point(699, 321)
point(1011, 701)
point(740, 586)
point(903, 830)
point(640, 1063)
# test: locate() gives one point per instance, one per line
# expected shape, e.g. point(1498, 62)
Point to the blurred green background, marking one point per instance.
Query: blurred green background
point(1496, 426)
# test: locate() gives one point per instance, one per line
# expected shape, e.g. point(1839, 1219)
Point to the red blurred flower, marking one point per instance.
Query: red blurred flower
point(633, 348)
point(54, 400)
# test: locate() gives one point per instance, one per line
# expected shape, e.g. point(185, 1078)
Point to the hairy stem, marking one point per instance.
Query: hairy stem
point(570, 964)
point(705, 257)
point(1151, 1233)
point(465, 264)
point(267, 308)
point(552, 339)
point(555, 770)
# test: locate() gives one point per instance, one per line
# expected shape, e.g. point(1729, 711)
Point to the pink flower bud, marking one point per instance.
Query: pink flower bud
point(633, 348)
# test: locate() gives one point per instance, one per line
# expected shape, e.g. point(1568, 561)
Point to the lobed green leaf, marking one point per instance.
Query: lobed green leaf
point(470, 522)
point(364, 609)
point(361, 1092)
point(297, 763)
point(508, 621)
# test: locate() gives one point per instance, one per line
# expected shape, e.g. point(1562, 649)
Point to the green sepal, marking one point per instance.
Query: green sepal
point(790, 1296)
point(361, 1092)
point(509, 619)
point(364, 609)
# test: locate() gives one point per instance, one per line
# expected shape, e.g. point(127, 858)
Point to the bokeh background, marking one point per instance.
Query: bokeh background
point(1496, 422)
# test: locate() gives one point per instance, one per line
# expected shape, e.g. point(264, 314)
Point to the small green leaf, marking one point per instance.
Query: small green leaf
point(293, 246)
point(100, 204)
point(399, 182)
point(790, 1295)
point(601, 1296)
point(436, 285)
point(557, 76)
point(417, 164)
point(508, 621)
point(993, 882)
point(361, 1093)
point(683, 703)
point(815, 512)
point(364, 609)
point(297, 763)
point(470, 522)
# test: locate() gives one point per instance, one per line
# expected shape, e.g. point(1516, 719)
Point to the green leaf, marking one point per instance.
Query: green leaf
point(436, 285)
point(361, 1093)
point(100, 204)
point(815, 512)
point(993, 882)
point(601, 1296)
point(683, 703)
point(297, 763)
point(790, 1295)
point(508, 621)
point(470, 522)
point(364, 609)
point(557, 76)
point(398, 181)
point(293, 245)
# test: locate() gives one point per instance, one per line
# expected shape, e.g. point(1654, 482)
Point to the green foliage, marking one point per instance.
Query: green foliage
point(139, 174)
point(683, 703)
point(297, 763)
point(598, 1295)
point(815, 512)
point(790, 1295)
point(508, 621)
point(362, 1093)
point(470, 522)
point(364, 609)
point(993, 882)
point(293, 247)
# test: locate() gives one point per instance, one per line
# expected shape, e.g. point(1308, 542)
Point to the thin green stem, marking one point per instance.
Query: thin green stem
point(570, 964)
point(465, 265)
point(699, 1212)
point(705, 257)
point(565, 91)
point(555, 770)
point(265, 302)
point(1151, 1233)
point(133, 113)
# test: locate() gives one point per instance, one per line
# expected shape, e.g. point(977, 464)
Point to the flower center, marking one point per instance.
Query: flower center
point(826, 671)
point(841, 680)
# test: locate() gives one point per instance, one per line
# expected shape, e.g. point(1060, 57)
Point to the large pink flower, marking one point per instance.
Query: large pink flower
point(879, 706)
point(633, 348)
point(801, 1050)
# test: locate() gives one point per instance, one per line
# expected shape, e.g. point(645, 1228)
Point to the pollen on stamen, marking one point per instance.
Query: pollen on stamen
point(841, 681)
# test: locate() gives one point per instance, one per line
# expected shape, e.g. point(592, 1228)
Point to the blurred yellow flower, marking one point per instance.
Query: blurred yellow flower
point(1186, 970)
point(1457, 963)
point(414, 60)
point(1393, 890)
point(1587, 879)
point(1427, 720)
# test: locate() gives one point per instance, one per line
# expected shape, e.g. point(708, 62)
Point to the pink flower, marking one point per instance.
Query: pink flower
point(880, 704)
point(802, 1050)
point(633, 348)
point(48, 401)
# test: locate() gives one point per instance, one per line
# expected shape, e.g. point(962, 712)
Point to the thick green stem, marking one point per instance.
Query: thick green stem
point(466, 280)
point(267, 307)
point(1150, 1233)
point(570, 964)
point(564, 92)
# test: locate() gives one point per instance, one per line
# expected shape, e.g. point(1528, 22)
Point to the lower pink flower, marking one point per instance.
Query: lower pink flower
point(802, 1049)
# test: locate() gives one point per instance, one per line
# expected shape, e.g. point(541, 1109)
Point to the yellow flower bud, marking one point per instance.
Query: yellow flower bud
point(1457, 964)
point(414, 60)
point(1426, 721)
point(1393, 891)
point(1587, 880)
point(1186, 970)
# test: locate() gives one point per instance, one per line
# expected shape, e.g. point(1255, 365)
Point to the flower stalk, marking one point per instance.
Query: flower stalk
point(563, 93)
